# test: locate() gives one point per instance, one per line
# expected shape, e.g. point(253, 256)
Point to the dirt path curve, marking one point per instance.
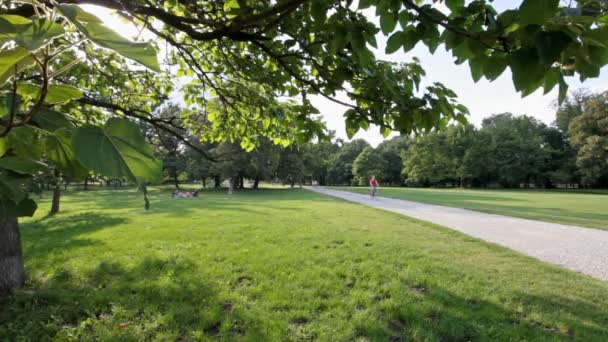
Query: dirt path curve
point(580, 249)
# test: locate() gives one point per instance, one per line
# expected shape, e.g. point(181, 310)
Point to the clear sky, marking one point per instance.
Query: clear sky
point(483, 98)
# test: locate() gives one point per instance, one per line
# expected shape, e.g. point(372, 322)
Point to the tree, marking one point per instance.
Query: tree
point(479, 161)
point(263, 162)
point(169, 148)
point(317, 159)
point(341, 169)
point(232, 164)
point(428, 161)
point(291, 169)
point(573, 106)
point(390, 152)
point(589, 134)
point(247, 55)
point(519, 152)
point(367, 164)
point(560, 163)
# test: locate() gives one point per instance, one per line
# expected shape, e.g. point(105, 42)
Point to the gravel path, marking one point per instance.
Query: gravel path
point(580, 249)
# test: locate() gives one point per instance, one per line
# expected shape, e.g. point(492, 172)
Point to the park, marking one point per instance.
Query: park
point(303, 170)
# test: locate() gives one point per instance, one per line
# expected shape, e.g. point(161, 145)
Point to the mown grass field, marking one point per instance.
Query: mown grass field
point(281, 264)
point(573, 207)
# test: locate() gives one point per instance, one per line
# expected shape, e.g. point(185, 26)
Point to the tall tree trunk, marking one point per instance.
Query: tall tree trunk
point(204, 180)
point(12, 271)
point(56, 195)
point(218, 181)
point(241, 182)
point(256, 183)
point(176, 181)
point(231, 185)
point(86, 184)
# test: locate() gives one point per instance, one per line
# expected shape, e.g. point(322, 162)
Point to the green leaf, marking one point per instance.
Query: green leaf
point(493, 67)
point(455, 5)
point(318, 11)
point(363, 4)
point(12, 186)
point(528, 73)
point(18, 58)
point(551, 80)
point(476, 66)
point(536, 12)
point(388, 22)
point(56, 93)
point(117, 150)
point(38, 33)
point(394, 42)
point(10, 25)
point(550, 45)
point(143, 53)
point(51, 120)
point(59, 150)
point(3, 146)
point(385, 131)
point(74, 12)
point(339, 40)
point(25, 207)
point(22, 165)
point(25, 143)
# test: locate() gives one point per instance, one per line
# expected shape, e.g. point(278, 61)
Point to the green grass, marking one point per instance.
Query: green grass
point(580, 208)
point(281, 265)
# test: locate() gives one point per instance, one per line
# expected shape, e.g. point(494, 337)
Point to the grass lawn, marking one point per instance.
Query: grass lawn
point(587, 209)
point(281, 264)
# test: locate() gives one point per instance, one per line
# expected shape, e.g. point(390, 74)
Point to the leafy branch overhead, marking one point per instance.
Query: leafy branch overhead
point(248, 70)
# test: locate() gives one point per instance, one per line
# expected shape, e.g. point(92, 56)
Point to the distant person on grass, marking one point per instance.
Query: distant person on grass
point(373, 184)
point(184, 194)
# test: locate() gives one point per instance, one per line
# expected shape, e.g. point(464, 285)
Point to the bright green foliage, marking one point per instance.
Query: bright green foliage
point(390, 152)
point(276, 265)
point(317, 159)
point(242, 59)
point(573, 106)
point(341, 169)
point(369, 163)
point(38, 117)
point(589, 134)
point(291, 168)
point(586, 208)
point(123, 147)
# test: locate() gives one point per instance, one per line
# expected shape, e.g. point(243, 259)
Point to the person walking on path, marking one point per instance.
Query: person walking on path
point(373, 184)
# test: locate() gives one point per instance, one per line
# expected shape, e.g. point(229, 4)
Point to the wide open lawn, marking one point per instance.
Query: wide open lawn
point(281, 265)
point(573, 207)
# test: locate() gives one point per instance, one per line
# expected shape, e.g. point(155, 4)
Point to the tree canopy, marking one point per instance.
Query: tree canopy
point(251, 67)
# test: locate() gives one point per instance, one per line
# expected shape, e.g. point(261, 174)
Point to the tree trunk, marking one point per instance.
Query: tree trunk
point(176, 181)
point(218, 181)
point(241, 181)
point(86, 184)
point(56, 200)
point(204, 180)
point(256, 183)
point(56, 195)
point(231, 185)
point(12, 272)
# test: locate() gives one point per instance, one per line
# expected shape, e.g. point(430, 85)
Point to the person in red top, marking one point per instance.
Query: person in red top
point(373, 183)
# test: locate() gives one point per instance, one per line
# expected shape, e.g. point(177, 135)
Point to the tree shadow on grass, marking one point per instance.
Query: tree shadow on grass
point(167, 298)
point(156, 299)
point(63, 231)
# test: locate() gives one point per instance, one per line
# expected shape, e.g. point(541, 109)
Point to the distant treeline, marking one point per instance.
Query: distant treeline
point(507, 151)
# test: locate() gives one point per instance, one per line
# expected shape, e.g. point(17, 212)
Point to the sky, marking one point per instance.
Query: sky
point(482, 98)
